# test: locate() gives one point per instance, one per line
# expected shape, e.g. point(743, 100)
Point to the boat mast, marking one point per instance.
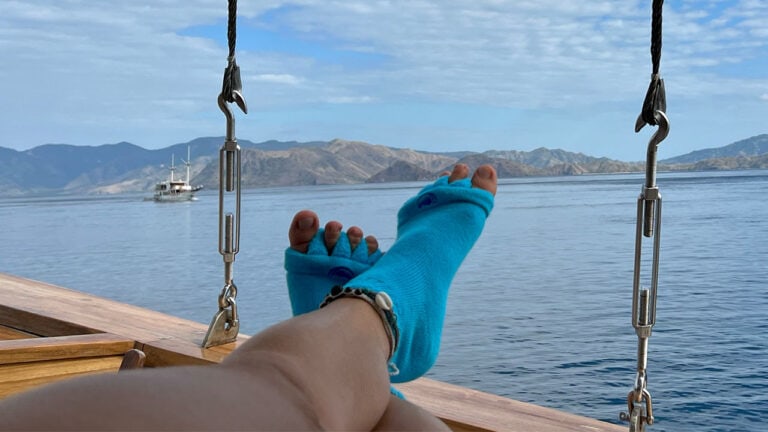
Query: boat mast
point(188, 164)
point(173, 168)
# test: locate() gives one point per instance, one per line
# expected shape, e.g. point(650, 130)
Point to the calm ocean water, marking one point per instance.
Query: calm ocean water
point(540, 311)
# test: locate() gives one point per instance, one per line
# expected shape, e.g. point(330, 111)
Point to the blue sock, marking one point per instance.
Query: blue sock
point(311, 275)
point(436, 230)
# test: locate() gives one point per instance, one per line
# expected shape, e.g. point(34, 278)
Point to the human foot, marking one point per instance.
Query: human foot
point(436, 230)
point(319, 258)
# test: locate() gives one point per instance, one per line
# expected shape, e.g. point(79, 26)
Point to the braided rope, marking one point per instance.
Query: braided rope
point(232, 27)
point(655, 97)
point(231, 81)
point(656, 34)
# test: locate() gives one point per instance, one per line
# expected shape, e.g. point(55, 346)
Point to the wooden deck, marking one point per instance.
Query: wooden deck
point(49, 333)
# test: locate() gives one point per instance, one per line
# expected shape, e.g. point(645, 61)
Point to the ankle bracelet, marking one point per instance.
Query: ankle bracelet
point(381, 303)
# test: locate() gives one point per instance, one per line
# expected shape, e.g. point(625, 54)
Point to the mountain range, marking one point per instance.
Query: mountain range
point(125, 167)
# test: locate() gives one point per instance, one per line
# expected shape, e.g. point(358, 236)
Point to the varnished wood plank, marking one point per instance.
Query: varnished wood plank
point(39, 324)
point(93, 314)
point(9, 333)
point(173, 352)
point(20, 377)
point(63, 347)
point(25, 371)
point(455, 405)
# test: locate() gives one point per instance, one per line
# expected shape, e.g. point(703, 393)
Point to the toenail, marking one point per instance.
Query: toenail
point(484, 172)
point(305, 223)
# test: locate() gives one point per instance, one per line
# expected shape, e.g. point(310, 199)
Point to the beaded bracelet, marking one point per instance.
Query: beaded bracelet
point(380, 301)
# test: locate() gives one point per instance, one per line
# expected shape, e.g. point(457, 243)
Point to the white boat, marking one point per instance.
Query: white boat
point(173, 190)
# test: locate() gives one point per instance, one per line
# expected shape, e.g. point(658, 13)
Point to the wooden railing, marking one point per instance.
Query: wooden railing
point(30, 362)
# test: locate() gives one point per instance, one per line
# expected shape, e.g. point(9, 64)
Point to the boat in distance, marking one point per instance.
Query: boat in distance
point(175, 190)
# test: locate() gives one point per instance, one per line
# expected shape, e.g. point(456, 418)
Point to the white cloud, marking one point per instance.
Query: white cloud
point(525, 54)
point(350, 99)
point(121, 63)
point(286, 79)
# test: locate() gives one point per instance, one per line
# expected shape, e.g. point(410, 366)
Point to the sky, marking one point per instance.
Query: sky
point(445, 75)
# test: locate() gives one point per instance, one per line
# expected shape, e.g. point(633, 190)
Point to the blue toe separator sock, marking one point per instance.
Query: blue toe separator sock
point(311, 275)
point(436, 230)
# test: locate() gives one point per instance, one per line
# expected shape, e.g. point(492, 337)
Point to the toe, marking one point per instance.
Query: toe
point(460, 171)
point(485, 178)
point(372, 243)
point(303, 227)
point(355, 235)
point(332, 235)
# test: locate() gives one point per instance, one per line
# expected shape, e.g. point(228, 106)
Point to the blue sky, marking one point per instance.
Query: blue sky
point(429, 75)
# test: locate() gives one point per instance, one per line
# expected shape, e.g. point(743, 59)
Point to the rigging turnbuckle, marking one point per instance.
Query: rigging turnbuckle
point(225, 324)
point(644, 299)
point(650, 194)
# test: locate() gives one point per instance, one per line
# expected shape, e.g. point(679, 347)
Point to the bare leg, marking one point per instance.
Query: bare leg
point(322, 370)
point(347, 391)
point(402, 415)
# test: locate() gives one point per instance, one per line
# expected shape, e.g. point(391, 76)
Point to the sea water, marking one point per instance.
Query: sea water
point(539, 312)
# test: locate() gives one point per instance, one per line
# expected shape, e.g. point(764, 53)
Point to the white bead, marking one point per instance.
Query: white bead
point(384, 301)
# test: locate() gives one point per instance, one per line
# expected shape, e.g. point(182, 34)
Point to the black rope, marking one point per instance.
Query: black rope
point(231, 82)
point(656, 35)
point(655, 97)
point(232, 27)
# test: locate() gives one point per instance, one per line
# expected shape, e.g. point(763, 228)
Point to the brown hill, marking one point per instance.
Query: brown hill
point(400, 171)
point(504, 167)
point(124, 167)
point(340, 162)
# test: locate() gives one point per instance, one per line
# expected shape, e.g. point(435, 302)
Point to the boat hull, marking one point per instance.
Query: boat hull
point(174, 197)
